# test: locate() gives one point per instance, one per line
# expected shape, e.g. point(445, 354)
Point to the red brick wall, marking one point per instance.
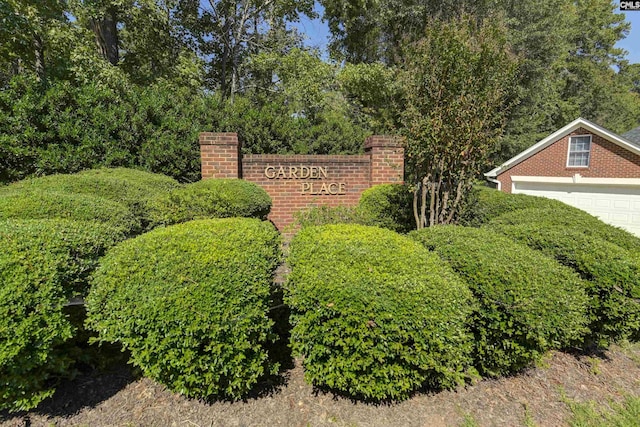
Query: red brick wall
point(305, 180)
point(387, 159)
point(607, 160)
point(219, 155)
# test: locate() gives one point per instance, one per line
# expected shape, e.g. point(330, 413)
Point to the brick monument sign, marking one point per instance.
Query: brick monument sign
point(297, 182)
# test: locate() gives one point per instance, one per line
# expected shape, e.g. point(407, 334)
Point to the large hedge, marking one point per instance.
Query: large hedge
point(528, 303)
point(211, 198)
point(575, 220)
point(133, 188)
point(613, 275)
point(490, 204)
point(190, 303)
point(42, 204)
point(388, 206)
point(374, 314)
point(42, 264)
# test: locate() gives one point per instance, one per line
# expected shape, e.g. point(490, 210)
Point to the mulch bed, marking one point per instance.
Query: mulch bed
point(118, 398)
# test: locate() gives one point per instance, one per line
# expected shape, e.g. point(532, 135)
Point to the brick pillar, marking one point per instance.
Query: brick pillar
point(387, 159)
point(219, 155)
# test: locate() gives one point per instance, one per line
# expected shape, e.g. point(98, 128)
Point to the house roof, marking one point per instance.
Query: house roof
point(633, 136)
point(630, 144)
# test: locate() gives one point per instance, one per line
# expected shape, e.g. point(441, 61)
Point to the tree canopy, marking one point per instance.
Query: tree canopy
point(108, 82)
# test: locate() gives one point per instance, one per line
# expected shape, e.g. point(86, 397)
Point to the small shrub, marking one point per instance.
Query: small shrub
point(613, 275)
point(388, 206)
point(374, 314)
point(528, 303)
point(211, 198)
point(491, 203)
point(42, 264)
point(39, 204)
point(133, 188)
point(324, 215)
point(577, 221)
point(190, 302)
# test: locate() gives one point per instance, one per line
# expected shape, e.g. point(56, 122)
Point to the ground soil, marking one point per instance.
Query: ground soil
point(535, 397)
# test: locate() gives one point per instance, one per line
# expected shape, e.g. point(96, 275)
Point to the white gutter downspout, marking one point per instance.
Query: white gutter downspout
point(495, 181)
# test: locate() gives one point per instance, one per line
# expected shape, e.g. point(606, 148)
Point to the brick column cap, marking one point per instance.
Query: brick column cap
point(218, 138)
point(386, 141)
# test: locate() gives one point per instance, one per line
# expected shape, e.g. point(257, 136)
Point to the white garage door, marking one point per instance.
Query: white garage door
point(619, 206)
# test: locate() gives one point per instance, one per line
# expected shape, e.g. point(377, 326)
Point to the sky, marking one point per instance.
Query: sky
point(318, 35)
point(632, 43)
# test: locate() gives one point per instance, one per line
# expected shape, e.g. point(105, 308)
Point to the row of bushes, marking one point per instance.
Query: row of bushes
point(54, 230)
point(527, 303)
point(133, 200)
point(604, 256)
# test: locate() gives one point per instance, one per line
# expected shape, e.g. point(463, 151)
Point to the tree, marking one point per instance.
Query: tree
point(226, 32)
point(24, 34)
point(457, 86)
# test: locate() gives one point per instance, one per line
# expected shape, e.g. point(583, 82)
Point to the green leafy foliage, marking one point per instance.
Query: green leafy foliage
point(612, 274)
point(211, 198)
point(324, 215)
point(374, 314)
point(65, 128)
point(527, 302)
point(571, 218)
point(133, 188)
point(34, 203)
point(458, 82)
point(388, 206)
point(491, 203)
point(190, 303)
point(42, 264)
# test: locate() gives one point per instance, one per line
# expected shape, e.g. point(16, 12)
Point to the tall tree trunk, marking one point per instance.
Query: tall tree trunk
point(106, 34)
point(38, 47)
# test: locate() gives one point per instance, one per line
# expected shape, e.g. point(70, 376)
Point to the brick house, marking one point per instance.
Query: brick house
point(583, 165)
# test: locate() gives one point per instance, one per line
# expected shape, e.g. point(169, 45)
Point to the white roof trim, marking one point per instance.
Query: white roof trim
point(579, 180)
point(560, 133)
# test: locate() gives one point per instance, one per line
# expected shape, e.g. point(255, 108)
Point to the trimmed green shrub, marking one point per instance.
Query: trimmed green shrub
point(388, 206)
point(578, 221)
point(374, 314)
point(491, 203)
point(42, 264)
point(528, 303)
point(40, 204)
point(613, 274)
point(324, 215)
point(133, 188)
point(190, 303)
point(211, 198)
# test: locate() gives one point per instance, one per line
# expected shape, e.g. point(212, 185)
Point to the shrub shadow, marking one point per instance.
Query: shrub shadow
point(279, 351)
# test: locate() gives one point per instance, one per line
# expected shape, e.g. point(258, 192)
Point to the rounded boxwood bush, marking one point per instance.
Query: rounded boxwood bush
point(612, 273)
point(374, 314)
point(578, 221)
point(527, 302)
point(211, 198)
point(388, 206)
point(41, 204)
point(490, 203)
point(190, 303)
point(131, 187)
point(42, 264)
